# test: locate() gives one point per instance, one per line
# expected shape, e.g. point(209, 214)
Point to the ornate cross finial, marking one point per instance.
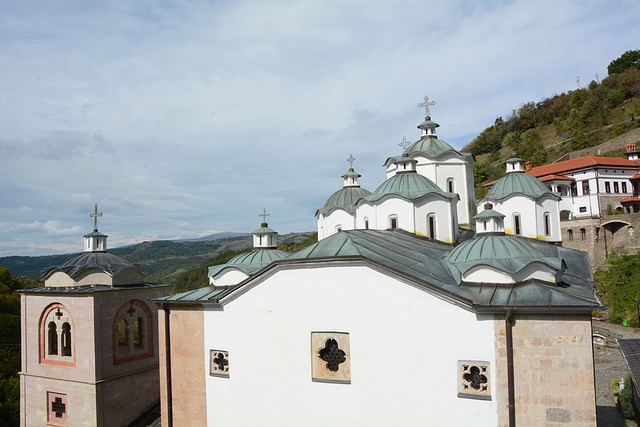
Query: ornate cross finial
point(351, 159)
point(264, 215)
point(95, 216)
point(404, 144)
point(426, 105)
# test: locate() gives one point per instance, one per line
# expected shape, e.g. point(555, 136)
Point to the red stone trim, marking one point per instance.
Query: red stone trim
point(41, 338)
point(114, 333)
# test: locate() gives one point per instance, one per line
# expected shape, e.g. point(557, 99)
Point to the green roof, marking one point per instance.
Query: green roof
point(409, 185)
point(263, 230)
point(426, 266)
point(505, 253)
point(344, 198)
point(431, 146)
point(250, 262)
point(518, 183)
point(488, 213)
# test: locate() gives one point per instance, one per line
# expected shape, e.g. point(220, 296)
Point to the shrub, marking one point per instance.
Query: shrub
point(625, 400)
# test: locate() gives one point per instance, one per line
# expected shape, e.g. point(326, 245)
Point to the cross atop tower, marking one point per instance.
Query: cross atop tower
point(404, 144)
point(95, 216)
point(264, 215)
point(351, 159)
point(426, 105)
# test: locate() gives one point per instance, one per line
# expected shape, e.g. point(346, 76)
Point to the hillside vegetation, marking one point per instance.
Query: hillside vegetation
point(543, 132)
point(197, 277)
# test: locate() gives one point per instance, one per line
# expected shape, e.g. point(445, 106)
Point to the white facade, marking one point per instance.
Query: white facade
point(400, 371)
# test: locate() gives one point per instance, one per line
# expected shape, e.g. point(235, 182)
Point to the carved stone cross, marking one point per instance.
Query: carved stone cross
point(426, 105)
point(131, 311)
point(58, 314)
point(95, 216)
point(58, 407)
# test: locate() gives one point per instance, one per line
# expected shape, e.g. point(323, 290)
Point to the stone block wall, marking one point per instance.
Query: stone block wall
point(188, 400)
point(123, 399)
point(554, 372)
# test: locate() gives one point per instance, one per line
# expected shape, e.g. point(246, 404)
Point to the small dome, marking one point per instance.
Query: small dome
point(104, 261)
point(517, 183)
point(505, 253)
point(408, 185)
point(258, 256)
point(429, 145)
point(344, 198)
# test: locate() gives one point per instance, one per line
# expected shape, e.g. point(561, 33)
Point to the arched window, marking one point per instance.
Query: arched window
point(583, 233)
point(570, 233)
point(338, 228)
point(431, 226)
point(450, 187)
point(393, 222)
point(366, 223)
point(547, 224)
point(53, 339)
point(56, 336)
point(138, 332)
point(516, 224)
point(123, 334)
point(66, 339)
point(132, 332)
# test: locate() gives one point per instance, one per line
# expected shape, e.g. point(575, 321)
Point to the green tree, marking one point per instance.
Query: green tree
point(630, 59)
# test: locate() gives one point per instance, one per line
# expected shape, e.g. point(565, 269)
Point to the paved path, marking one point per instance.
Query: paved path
point(610, 366)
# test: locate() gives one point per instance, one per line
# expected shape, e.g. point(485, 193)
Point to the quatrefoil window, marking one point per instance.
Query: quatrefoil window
point(330, 357)
point(474, 380)
point(332, 354)
point(219, 363)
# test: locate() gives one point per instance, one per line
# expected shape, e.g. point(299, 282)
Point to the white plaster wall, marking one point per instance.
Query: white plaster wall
point(400, 207)
point(366, 210)
point(339, 217)
point(537, 270)
point(486, 274)
point(523, 205)
point(548, 204)
point(444, 213)
point(405, 344)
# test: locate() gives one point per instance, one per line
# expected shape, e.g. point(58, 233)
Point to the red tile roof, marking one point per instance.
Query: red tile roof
point(554, 177)
point(630, 199)
point(581, 163)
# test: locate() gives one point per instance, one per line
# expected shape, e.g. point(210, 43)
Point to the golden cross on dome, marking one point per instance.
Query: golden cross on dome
point(351, 159)
point(95, 216)
point(404, 144)
point(426, 105)
point(264, 215)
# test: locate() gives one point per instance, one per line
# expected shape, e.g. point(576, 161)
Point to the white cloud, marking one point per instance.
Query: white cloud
point(177, 118)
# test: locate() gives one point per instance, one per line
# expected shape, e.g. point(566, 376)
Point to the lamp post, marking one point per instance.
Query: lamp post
point(637, 301)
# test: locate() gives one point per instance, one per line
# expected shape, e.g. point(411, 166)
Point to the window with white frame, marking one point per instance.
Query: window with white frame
point(547, 224)
point(517, 230)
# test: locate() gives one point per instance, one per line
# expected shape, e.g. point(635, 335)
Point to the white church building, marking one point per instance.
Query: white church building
point(394, 317)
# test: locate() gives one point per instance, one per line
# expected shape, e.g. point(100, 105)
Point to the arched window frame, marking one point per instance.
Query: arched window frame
point(57, 324)
point(366, 223)
point(131, 312)
point(583, 233)
point(432, 226)
point(451, 185)
point(517, 224)
point(547, 224)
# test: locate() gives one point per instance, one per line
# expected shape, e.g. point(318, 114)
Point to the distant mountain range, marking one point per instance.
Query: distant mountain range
point(164, 259)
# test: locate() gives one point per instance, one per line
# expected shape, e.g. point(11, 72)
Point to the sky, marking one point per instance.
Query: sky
point(185, 118)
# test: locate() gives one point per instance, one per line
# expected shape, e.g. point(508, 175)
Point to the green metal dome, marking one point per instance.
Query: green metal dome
point(409, 185)
point(431, 146)
point(250, 262)
point(517, 183)
point(344, 198)
point(504, 253)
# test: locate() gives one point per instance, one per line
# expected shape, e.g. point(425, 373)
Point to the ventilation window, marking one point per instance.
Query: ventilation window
point(474, 380)
point(450, 185)
point(366, 223)
point(547, 224)
point(57, 408)
point(330, 357)
point(431, 226)
point(219, 363)
point(393, 222)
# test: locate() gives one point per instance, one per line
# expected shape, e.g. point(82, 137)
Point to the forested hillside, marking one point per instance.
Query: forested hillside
point(10, 346)
point(164, 259)
point(541, 132)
